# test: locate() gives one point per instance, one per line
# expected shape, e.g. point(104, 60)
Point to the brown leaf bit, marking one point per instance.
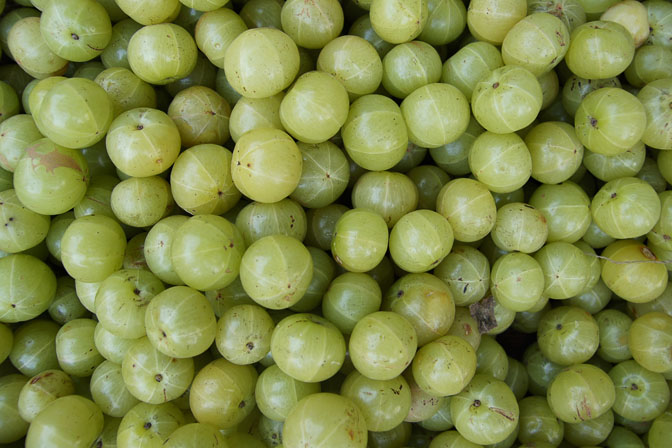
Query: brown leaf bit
point(484, 314)
point(52, 160)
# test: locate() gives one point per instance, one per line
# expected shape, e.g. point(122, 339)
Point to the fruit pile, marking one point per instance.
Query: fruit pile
point(335, 223)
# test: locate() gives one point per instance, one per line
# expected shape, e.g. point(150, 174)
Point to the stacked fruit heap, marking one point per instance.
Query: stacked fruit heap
point(382, 223)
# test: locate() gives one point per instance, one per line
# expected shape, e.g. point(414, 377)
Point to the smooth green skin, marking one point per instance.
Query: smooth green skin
point(28, 289)
point(384, 404)
point(507, 99)
point(266, 165)
point(307, 347)
point(315, 107)
point(33, 229)
point(152, 377)
point(350, 297)
point(207, 241)
point(580, 392)
point(517, 379)
point(444, 366)
point(429, 180)
point(7, 338)
point(325, 418)
point(244, 334)
point(34, 349)
point(321, 223)
point(502, 162)
point(196, 435)
point(109, 392)
point(201, 116)
point(143, 142)
point(445, 22)
point(158, 248)
point(486, 411)
point(603, 127)
point(656, 98)
point(204, 74)
point(621, 437)
point(269, 433)
point(382, 345)
point(150, 13)
point(180, 322)
point(389, 194)
point(398, 21)
point(76, 30)
point(651, 62)
point(9, 101)
point(649, 341)
point(420, 240)
point(469, 207)
point(41, 390)
point(517, 281)
point(550, 35)
point(50, 179)
point(658, 434)
point(541, 371)
point(469, 64)
point(466, 271)
point(111, 346)
point(9, 18)
point(577, 88)
point(225, 89)
point(324, 268)
point(662, 304)
point(276, 271)
point(599, 50)
point(92, 248)
point(125, 89)
point(491, 20)
point(261, 62)
point(162, 53)
point(614, 327)
point(257, 220)
point(661, 233)
point(86, 292)
point(590, 432)
point(651, 175)
point(566, 269)
point(375, 134)
point(70, 421)
point(204, 5)
point(16, 134)
point(354, 62)
point(75, 348)
point(37, 94)
point(115, 53)
point(538, 423)
point(441, 420)
point(222, 394)
point(659, 18)
point(595, 266)
point(75, 113)
point(360, 240)
point(163, 419)
point(451, 439)
point(277, 393)
point(555, 150)
point(641, 395)
point(98, 160)
point(626, 208)
point(362, 27)
point(255, 113)
point(504, 318)
point(141, 201)
point(26, 44)
point(312, 25)
point(435, 114)
point(397, 436)
point(262, 13)
point(608, 168)
point(520, 227)
point(89, 70)
point(409, 66)
point(215, 31)
point(324, 176)
point(12, 426)
point(568, 335)
point(566, 209)
point(201, 181)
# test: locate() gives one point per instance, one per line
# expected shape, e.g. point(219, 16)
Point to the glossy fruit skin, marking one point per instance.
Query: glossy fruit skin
point(261, 62)
point(420, 240)
point(555, 150)
point(538, 423)
point(491, 20)
point(307, 347)
point(360, 240)
point(350, 297)
point(334, 420)
point(26, 44)
point(580, 392)
point(517, 281)
point(655, 96)
point(201, 116)
point(141, 201)
point(314, 25)
point(266, 165)
point(15, 238)
point(16, 135)
point(41, 390)
point(162, 53)
point(616, 49)
point(469, 64)
point(519, 227)
point(566, 269)
point(566, 209)
point(390, 194)
point(354, 62)
point(452, 203)
point(649, 341)
point(568, 335)
point(485, 402)
point(398, 21)
point(445, 366)
point(641, 395)
point(382, 345)
point(469, 265)
point(22, 299)
point(276, 392)
point(409, 66)
point(70, 421)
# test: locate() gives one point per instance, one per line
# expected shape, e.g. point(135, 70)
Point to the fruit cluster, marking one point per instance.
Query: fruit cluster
point(335, 224)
